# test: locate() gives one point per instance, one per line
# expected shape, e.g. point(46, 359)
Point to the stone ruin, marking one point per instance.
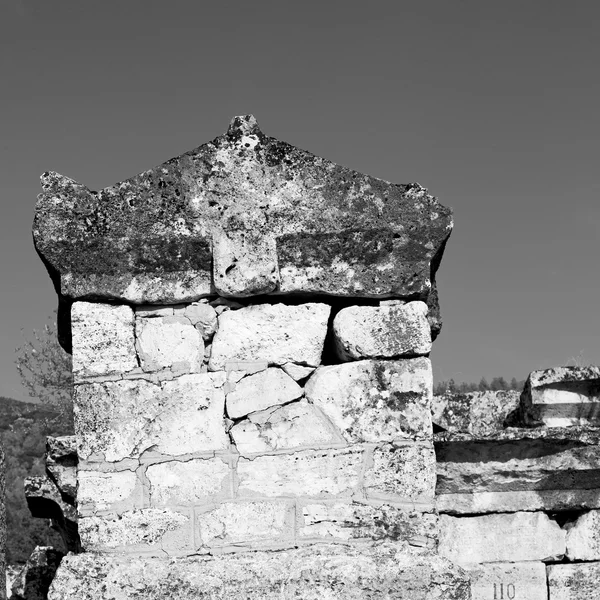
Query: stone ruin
point(251, 327)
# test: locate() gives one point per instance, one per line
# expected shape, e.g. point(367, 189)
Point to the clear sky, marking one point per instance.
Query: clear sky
point(492, 105)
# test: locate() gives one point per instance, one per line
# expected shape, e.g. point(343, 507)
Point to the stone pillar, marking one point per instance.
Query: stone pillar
point(252, 380)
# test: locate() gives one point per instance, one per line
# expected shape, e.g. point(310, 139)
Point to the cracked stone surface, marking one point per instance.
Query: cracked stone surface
point(573, 581)
point(322, 571)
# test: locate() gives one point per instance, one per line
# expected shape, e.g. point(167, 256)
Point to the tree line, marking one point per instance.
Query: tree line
point(497, 384)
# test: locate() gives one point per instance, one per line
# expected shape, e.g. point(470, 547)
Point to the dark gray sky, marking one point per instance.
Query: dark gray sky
point(491, 105)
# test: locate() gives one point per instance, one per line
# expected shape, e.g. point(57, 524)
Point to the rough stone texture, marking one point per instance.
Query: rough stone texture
point(324, 228)
point(195, 481)
point(121, 419)
point(36, 575)
point(103, 340)
point(306, 473)
point(294, 425)
point(239, 523)
point(297, 372)
point(261, 390)
point(343, 521)
point(375, 400)
point(118, 491)
point(277, 333)
point(479, 413)
point(320, 572)
point(562, 397)
point(501, 538)
point(508, 581)
point(203, 317)
point(553, 469)
point(574, 582)
point(168, 342)
point(161, 531)
point(61, 464)
point(387, 331)
point(403, 473)
point(583, 537)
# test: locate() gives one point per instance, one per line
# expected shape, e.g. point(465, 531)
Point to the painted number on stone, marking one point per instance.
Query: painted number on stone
point(504, 591)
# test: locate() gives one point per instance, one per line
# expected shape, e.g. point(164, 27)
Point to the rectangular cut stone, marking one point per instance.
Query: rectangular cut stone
point(276, 333)
point(335, 521)
point(508, 581)
point(382, 331)
point(306, 473)
point(103, 340)
point(114, 492)
point(574, 581)
point(402, 474)
point(519, 460)
point(375, 400)
point(562, 397)
point(168, 343)
point(123, 419)
point(583, 537)
point(506, 537)
point(246, 523)
point(148, 530)
point(196, 481)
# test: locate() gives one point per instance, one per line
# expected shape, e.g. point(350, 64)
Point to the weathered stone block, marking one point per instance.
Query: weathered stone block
point(196, 481)
point(36, 575)
point(61, 463)
point(353, 521)
point(559, 465)
point(297, 372)
point(203, 317)
point(306, 473)
point(402, 473)
point(123, 419)
point(388, 331)
point(574, 582)
point(583, 537)
point(261, 390)
point(277, 333)
point(508, 581)
point(116, 492)
point(562, 397)
point(318, 572)
point(375, 400)
point(147, 530)
point(479, 413)
point(246, 523)
point(294, 425)
point(501, 538)
point(103, 340)
point(168, 342)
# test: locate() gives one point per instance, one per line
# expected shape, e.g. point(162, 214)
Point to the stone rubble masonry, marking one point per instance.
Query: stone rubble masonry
point(514, 581)
point(501, 537)
point(321, 571)
point(562, 397)
point(574, 581)
point(387, 331)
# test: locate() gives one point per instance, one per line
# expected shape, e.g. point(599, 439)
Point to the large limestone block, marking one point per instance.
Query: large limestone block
point(387, 331)
point(552, 469)
point(375, 400)
point(293, 426)
point(479, 413)
point(243, 214)
point(190, 482)
point(277, 333)
point(307, 473)
point(583, 537)
point(318, 572)
point(168, 343)
point(562, 397)
point(404, 473)
point(103, 340)
point(343, 521)
point(505, 537)
point(107, 491)
point(122, 419)
point(574, 581)
point(261, 390)
point(247, 524)
point(508, 581)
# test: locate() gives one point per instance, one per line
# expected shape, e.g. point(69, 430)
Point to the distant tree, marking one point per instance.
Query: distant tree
point(498, 383)
point(483, 385)
point(514, 384)
point(45, 370)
